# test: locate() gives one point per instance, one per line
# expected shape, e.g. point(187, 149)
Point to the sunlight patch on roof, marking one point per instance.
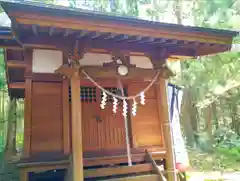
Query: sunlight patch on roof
point(4, 20)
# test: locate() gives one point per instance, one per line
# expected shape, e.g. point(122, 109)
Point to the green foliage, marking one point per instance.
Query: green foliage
point(2, 70)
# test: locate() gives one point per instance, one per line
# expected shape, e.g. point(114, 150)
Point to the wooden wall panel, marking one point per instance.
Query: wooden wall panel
point(146, 125)
point(47, 121)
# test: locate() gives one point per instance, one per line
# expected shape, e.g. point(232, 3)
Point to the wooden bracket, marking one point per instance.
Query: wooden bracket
point(123, 57)
point(159, 59)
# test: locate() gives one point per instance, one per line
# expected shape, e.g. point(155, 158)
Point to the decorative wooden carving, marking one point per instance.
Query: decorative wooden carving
point(119, 58)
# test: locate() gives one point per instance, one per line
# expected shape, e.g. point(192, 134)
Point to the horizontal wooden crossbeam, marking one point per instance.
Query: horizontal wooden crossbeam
point(109, 72)
point(16, 64)
point(137, 178)
point(104, 172)
point(17, 85)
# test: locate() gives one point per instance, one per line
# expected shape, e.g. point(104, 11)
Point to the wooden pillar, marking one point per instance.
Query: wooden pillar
point(168, 140)
point(77, 150)
point(66, 116)
point(28, 53)
point(72, 73)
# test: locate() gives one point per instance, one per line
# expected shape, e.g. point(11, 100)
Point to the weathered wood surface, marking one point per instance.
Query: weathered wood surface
point(152, 177)
point(155, 166)
point(120, 170)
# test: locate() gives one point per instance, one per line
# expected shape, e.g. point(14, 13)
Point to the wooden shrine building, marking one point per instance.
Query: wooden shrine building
point(95, 89)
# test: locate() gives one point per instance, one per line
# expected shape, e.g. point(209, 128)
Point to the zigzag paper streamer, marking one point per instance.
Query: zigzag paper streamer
point(134, 108)
point(103, 102)
point(125, 106)
point(115, 101)
point(142, 98)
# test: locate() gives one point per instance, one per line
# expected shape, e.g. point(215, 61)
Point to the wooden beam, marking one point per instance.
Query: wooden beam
point(16, 64)
point(104, 172)
point(107, 45)
point(109, 72)
point(138, 178)
point(168, 140)
point(4, 37)
point(17, 85)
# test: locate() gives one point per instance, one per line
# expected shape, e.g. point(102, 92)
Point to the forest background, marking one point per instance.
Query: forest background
point(210, 115)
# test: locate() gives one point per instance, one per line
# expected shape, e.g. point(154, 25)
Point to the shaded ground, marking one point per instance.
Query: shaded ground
point(217, 161)
point(213, 176)
point(220, 165)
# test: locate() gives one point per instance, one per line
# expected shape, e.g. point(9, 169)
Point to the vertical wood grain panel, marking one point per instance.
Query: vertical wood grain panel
point(47, 121)
point(146, 125)
point(66, 117)
point(27, 117)
point(90, 126)
point(160, 112)
point(111, 128)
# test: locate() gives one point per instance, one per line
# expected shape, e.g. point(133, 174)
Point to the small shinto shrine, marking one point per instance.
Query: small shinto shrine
point(95, 90)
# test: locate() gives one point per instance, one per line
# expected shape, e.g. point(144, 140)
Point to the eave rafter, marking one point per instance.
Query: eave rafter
point(104, 27)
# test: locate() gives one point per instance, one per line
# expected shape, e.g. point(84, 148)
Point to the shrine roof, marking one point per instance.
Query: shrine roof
point(31, 18)
point(62, 11)
point(42, 21)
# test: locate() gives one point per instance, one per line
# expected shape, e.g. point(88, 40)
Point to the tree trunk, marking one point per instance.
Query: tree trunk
point(178, 11)
point(234, 125)
point(10, 149)
point(208, 126)
point(186, 119)
point(214, 115)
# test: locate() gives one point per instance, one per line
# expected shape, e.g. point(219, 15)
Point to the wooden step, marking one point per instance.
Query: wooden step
point(152, 177)
point(119, 170)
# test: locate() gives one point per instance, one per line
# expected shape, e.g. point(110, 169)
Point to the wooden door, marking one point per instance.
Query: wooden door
point(111, 127)
point(102, 129)
point(90, 123)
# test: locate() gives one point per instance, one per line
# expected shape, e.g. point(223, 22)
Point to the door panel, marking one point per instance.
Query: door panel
point(102, 129)
point(111, 127)
point(90, 124)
